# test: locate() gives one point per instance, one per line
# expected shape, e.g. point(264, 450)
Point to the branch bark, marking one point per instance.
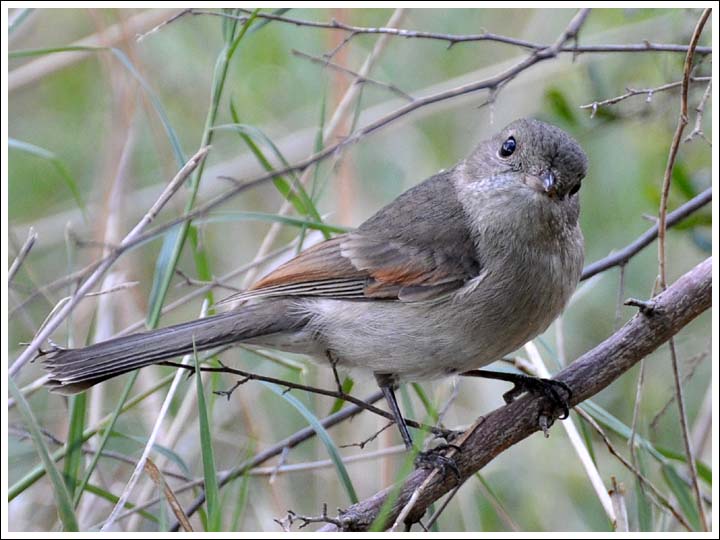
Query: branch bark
point(671, 310)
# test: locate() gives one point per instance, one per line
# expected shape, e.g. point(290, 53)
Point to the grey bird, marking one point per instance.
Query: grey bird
point(454, 274)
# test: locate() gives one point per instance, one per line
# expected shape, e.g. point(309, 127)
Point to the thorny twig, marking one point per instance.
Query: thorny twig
point(649, 92)
point(450, 39)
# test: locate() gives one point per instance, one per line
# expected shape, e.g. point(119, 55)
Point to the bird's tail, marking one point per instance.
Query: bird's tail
point(74, 370)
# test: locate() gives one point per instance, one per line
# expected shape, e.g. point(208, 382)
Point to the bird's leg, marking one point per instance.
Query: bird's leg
point(387, 385)
point(524, 383)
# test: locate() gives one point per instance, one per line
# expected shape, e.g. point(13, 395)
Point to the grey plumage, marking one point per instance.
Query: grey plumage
point(453, 274)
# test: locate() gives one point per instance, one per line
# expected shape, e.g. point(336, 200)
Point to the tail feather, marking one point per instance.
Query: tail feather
point(75, 370)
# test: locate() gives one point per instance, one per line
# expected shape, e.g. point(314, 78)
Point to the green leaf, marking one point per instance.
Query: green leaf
point(222, 217)
point(100, 492)
point(160, 449)
point(558, 104)
point(73, 445)
point(57, 163)
point(347, 386)
point(644, 506)
point(659, 453)
point(65, 509)
point(324, 437)
point(110, 421)
point(120, 55)
point(212, 490)
point(430, 408)
point(683, 495)
point(704, 471)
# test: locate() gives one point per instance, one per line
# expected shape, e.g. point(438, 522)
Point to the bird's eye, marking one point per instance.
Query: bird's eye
point(508, 147)
point(575, 189)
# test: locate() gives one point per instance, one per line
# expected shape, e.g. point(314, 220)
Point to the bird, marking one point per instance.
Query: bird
point(454, 274)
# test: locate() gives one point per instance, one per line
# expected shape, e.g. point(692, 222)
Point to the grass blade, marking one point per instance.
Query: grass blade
point(683, 495)
point(324, 437)
point(73, 445)
point(65, 509)
point(57, 163)
point(212, 489)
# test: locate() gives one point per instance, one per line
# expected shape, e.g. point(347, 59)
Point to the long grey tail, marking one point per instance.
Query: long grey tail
point(74, 370)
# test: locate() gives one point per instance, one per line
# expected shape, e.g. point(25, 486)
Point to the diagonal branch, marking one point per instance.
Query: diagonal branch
point(672, 310)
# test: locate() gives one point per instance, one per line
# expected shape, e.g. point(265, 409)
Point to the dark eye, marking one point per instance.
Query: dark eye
point(508, 147)
point(575, 189)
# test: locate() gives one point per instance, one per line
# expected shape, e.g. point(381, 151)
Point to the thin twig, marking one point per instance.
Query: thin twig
point(649, 92)
point(260, 458)
point(359, 79)
point(249, 376)
point(624, 255)
point(662, 258)
point(22, 254)
point(127, 242)
point(452, 39)
point(692, 364)
point(661, 499)
point(698, 130)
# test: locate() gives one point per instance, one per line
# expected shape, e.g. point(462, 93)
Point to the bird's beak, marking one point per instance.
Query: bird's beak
point(549, 183)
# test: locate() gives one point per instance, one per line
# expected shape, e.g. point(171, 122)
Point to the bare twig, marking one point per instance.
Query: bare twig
point(649, 92)
point(687, 298)
point(249, 376)
point(661, 500)
point(289, 520)
point(698, 130)
point(90, 282)
point(359, 79)
point(262, 457)
point(662, 258)
point(624, 255)
point(453, 39)
point(692, 365)
point(22, 254)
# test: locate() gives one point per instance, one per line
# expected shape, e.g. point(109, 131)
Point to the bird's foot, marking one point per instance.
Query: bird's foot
point(435, 458)
point(550, 389)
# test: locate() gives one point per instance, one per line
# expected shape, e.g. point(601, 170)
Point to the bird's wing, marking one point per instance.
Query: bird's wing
point(412, 250)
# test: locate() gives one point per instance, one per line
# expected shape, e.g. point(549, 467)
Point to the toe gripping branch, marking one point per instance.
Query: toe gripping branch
point(550, 389)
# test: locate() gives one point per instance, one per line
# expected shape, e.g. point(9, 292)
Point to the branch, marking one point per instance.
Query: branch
point(450, 39)
point(674, 308)
point(662, 257)
point(624, 255)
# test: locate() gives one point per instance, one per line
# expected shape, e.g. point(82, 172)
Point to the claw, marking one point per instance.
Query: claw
point(433, 459)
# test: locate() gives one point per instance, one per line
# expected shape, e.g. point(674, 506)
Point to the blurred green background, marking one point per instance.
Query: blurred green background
point(93, 120)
